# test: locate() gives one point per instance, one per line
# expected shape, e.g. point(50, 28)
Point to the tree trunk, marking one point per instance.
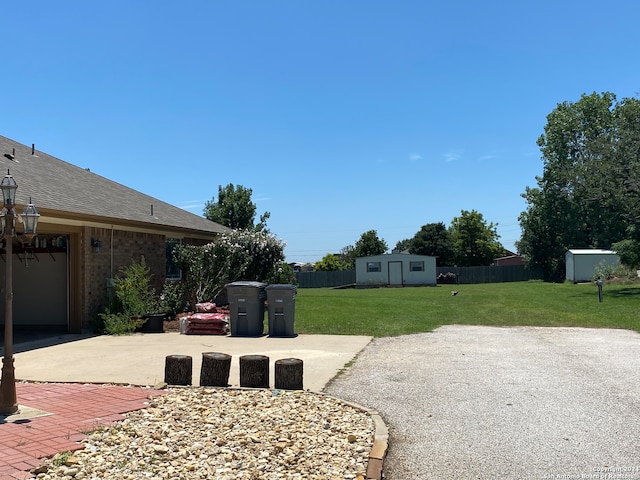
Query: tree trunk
point(215, 369)
point(288, 374)
point(178, 369)
point(254, 371)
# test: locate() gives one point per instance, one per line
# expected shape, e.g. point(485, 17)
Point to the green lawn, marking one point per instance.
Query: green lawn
point(384, 312)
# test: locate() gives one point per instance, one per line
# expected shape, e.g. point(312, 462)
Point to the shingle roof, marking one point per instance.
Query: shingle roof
point(67, 189)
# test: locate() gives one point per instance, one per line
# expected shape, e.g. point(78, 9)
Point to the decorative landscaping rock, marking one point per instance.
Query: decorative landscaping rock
point(201, 433)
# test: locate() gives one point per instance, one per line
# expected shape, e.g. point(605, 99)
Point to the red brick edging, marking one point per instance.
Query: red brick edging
point(75, 409)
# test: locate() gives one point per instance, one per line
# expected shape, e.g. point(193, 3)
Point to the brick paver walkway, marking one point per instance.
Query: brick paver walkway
point(75, 409)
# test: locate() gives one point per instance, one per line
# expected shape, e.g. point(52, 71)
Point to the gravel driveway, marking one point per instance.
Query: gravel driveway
point(504, 403)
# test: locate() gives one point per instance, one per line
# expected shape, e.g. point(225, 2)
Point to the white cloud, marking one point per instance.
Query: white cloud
point(193, 206)
point(414, 157)
point(491, 154)
point(451, 156)
point(261, 198)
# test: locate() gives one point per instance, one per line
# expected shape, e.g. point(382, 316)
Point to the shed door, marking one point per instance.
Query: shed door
point(395, 273)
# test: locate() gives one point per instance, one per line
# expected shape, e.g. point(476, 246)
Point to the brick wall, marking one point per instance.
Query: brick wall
point(99, 266)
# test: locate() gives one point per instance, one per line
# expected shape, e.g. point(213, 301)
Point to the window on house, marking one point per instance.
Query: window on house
point(173, 272)
point(416, 266)
point(373, 267)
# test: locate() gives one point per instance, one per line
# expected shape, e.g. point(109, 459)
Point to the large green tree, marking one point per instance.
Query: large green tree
point(402, 245)
point(234, 209)
point(627, 171)
point(587, 196)
point(475, 242)
point(433, 239)
point(369, 244)
point(331, 263)
point(347, 256)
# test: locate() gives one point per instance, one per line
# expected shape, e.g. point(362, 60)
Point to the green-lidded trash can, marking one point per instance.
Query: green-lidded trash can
point(281, 301)
point(246, 308)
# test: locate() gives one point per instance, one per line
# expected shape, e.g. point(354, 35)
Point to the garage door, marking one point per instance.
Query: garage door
point(40, 285)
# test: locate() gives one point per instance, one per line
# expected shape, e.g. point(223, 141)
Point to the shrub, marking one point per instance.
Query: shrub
point(134, 294)
point(172, 299)
point(134, 297)
point(238, 255)
point(447, 278)
point(284, 274)
point(119, 324)
point(614, 272)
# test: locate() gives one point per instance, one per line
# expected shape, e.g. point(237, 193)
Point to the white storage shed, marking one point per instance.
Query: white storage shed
point(581, 263)
point(396, 269)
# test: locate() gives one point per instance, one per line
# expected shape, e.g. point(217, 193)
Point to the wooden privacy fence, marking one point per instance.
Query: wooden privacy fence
point(325, 279)
point(492, 274)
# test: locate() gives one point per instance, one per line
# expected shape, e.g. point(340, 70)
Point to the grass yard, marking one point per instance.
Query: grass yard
point(384, 312)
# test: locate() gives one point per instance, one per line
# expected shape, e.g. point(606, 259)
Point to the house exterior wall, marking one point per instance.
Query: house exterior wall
point(426, 277)
point(118, 250)
point(581, 264)
point(72, 283)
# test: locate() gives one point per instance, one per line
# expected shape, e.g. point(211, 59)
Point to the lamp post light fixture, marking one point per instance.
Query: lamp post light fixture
point(29, 217)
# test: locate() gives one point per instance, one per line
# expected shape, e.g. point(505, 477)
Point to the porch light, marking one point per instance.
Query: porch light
point(8, 187)
point(30, 217)
point(96, 245)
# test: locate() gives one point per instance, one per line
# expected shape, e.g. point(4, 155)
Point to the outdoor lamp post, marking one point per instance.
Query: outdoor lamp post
point(29, 217)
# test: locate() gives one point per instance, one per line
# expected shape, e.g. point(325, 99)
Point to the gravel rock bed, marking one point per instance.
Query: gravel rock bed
point(200, 433)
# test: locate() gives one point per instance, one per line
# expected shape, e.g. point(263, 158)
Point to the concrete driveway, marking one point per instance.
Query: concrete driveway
point(504, 403)
point(139, 359)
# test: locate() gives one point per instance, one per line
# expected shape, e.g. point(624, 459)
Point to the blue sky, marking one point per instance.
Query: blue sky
point(342, 116)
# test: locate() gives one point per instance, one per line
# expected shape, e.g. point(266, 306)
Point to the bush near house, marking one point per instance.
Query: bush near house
point(238, 255)
point(134, 296)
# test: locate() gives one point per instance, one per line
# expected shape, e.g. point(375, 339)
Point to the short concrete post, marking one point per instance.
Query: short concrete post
point(178, 369)
point(254, 371)
point(288, 374)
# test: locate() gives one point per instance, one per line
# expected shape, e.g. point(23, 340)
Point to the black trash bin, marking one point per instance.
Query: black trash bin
point(281, 301)
point(246, 308)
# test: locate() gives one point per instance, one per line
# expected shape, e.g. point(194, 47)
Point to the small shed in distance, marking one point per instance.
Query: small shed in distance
point(581, 263)
point(396, 269)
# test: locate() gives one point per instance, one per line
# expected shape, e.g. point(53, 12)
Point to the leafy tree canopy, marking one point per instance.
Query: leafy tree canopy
point(433, 239)
point(589, 193)
point(234, 209)
point(628, 251)
point(331, 263)
point(369, 244)
point(348, 255)
point(475, 242)
point(403, 245)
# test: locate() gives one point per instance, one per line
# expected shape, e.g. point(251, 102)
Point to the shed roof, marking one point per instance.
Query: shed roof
point(74, 192)
point(385, 256)
point(590, 251)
